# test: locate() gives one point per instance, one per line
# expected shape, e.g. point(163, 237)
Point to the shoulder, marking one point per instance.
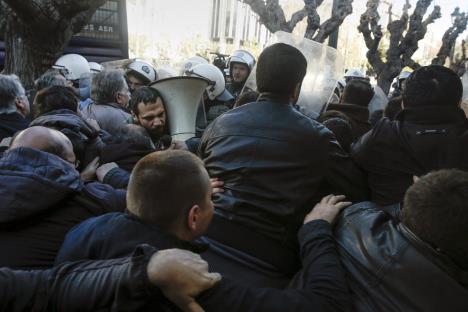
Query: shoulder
point(369, 234)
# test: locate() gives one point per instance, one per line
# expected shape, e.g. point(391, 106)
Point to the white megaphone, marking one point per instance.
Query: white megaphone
point(181, 96)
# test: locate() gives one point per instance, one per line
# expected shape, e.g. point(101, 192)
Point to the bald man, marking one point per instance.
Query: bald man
point(47, 140)
point(43, 197)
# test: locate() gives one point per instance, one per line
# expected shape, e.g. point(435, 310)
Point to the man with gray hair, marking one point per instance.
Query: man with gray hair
point(111, 96)
point(14, 106)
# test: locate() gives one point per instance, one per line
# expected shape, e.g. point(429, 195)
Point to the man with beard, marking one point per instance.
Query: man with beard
point(241, 63)
point(148, 111)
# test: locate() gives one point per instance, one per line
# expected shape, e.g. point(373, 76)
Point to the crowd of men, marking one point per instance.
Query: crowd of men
point(355, 211)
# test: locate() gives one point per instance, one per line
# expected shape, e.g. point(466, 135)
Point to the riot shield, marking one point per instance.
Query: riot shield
point(464, 104)
point(324, 68)
point(379, 101)
point(465, 86)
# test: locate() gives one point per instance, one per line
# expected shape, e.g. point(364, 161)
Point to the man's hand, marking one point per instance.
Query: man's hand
point(327, 209)
point(178, 145)
point(104, 169)
point(89, 173)
point(93, 123)
point(217, 185)
point(181, 275)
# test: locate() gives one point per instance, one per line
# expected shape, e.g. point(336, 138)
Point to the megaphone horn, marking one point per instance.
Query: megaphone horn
point(181, 96)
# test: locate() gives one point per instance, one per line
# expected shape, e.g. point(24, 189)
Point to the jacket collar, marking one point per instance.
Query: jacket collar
point(65, 118)
point(432, 115)
point(167, 240)
point(454, 266)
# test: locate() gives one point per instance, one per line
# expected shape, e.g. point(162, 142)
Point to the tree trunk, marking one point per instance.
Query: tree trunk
point(26, 57)
point(36, 32)
point(385, 78)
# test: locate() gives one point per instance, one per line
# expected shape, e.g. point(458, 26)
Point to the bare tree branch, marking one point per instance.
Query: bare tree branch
point(343, 9)
point(459, 62)
point(272, 16)
point(297, 18)
point(396, 29)
point(417, 30)
point(261, 9)
point(313, 18)
point(372, 32)
point(405, 33)
point(449, 39)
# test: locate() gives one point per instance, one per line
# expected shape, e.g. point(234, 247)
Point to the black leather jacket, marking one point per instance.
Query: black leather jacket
point(106, 285)
point(390, 269)
point(276, 164)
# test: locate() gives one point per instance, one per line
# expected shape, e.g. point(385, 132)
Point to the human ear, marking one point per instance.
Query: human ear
point(193, 218)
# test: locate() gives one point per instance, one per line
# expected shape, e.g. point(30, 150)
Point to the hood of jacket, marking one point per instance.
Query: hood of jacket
point(32, 181)
point(66, 119)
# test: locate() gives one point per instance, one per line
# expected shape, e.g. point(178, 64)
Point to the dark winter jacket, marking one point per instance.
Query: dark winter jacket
point(420, 140)
point(323, 288)
point(11, 123)
point(358, 116)
point(115, 235)
point(118, 178)
point(390, 269)
point(107, 285)
point(86, 140)
point(42, 198)
point(125, 154)
point(276, 164)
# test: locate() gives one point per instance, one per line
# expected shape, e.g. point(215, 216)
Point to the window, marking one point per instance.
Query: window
point(105, 23)
point(215, 20)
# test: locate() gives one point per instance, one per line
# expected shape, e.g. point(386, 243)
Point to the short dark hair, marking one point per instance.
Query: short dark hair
point(144, 95)
point(280, 68)
point(393, 107)
point(132, 134)
point(340, 125)
point(165, 185)
point(358, 92)
point(432, 85)
point(55, 97)
point(435, 209)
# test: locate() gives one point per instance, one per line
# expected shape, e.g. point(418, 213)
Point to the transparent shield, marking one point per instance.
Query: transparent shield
point(465, 86)
point(464, 104)
point(379, 101)
point(324, 68)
